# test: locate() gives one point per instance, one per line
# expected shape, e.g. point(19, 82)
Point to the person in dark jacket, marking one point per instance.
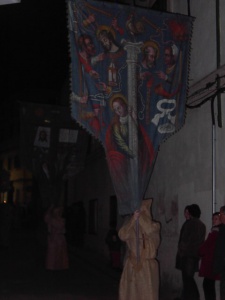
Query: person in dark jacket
point(187, 218)
point(206, 252)
point(193, 235)
point(219, 254)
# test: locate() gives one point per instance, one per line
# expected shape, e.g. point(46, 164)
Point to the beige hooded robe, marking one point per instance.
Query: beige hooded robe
point(140, 277)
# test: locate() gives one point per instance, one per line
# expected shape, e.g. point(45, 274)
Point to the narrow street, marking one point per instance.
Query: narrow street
point(23, 276)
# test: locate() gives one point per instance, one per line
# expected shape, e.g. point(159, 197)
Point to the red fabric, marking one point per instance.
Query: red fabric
point(117, 162)
point(206, 252)
point(85, 63)
point(148, 144)
point(116, 155)
point(96, 125)
point(120, 162)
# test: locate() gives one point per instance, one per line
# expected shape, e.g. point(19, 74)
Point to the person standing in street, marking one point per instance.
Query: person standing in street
point(219, 254)
point(57, 255)
point(187, 218)
point(193, 235)
point(206, 252)
point(140, 277)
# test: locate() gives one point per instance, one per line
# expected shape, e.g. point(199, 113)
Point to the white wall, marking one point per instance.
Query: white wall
point(183, 171)
point(203, 55)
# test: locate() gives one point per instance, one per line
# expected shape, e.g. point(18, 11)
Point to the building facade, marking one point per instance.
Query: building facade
point(190, 166)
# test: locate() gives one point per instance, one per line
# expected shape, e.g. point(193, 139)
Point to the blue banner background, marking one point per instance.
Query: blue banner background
point(129, 81)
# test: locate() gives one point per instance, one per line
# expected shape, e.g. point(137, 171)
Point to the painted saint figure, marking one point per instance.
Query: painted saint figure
point(87, 54)
point(120, 125)
point(118, 134)
point(171, 53)
point(113, 55)
point(119, 153)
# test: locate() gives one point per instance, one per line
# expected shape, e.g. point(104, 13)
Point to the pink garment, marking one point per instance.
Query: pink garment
point(57, 255)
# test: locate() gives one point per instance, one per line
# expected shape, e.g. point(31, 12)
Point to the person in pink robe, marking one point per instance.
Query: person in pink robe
point(57, 254)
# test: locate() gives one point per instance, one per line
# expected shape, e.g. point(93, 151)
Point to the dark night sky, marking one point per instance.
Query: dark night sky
point(34, 55)
point(33, 47)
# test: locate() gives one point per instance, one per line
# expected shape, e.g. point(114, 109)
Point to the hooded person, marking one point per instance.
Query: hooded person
point(140, 277)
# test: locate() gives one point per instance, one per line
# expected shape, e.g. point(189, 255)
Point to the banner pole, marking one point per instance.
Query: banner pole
point(137, 241)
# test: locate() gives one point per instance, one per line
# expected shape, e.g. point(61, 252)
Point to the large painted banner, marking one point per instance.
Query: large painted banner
point(129, 80)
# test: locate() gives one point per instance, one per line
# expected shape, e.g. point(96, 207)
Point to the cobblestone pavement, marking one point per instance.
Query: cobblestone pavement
point(23, 276)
